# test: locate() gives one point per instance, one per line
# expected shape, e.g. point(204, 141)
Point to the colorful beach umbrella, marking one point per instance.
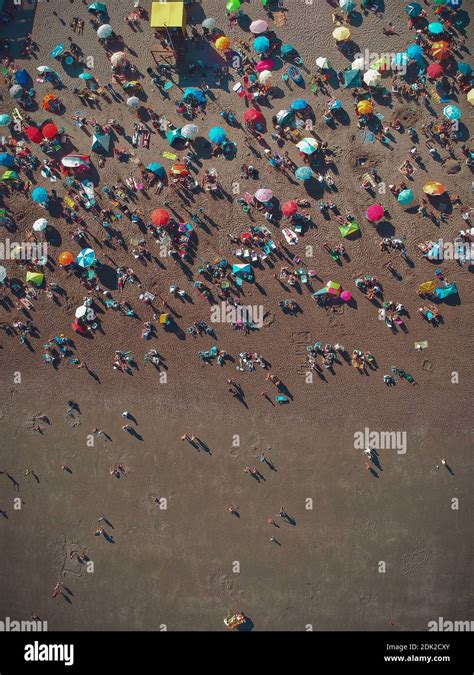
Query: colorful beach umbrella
point(323, 63)
point(347, 5)
point(365, 107)
point(289, 208)
point(194, 93)
point(209, 23)
point(470, 96)
point(39, 195)
point(222, 43)
point(415, 52)
point(303, 173)
point(9, 175)
point(307, 145)
point(133, 102)
point(372, 78)
point(352, 78)
point(464, 68)
point(261, 44)
point(156, 168)
point(436, 28)
point(433, 187)
point(35, 278)
point(405, 197)
point(265, 76)
point(97, 7)
point(65, 258)
point(217, 135)
point(341, 33)
point(435, 70)
point(265, 64)
point(5, 120)
point(264, 195)
point(118, 59)
point(440, 50)
point(375, 212)
point(6, 159)
point(86, 257)
point(160, 217)
point(335, 104)
point(34, 134)
point(233, 5)
point(190, 131)
point(258, 26)
point(287, 50)
point(86, 76)
point(50, 131)
point(452, 112)
point(299, 104)
point(252, 116)
point(16, 91)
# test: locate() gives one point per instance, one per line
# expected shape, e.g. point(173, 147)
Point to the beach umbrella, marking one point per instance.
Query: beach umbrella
point(347, 5)
point(156, 168)
point(44, 69)
point(74, 161)
point(287, 50)
point(307, 145)
point(40, 225)
point(323, 63)
point(50, 102)
point(333, 288)
point(100, 142)
point(190, 131)
point(50, 131)
point(233, 5)
point(399, 60)
point(464, 68)
point(9, 175)
point(265, 76)
point(415, 52)
point(6, 159)
point(34, 134)
point(193, 92)
point(358, 63)
point(427, 287)
point(452, 112)
point(258, 26)
point(352, 78)
point(86, 257)
point(251, 116)
point(382, 64)
point(413, 9)
point(265, 64)
point(303, 173)
point(65, 258)
point(264, 195)
point(22, 77)
point(289, 208)
point(118, 59)
point(434, 70)
point(36, 278)
point(335, 104)
point(173, 135)
point(436, 28)
point(81, 312)
point(346, 296)
point(375, 212)
point(16, 91)
point(406, 197)
point(133, 102)
point(470, 96)
point(299, 104)
point(455, 4)
point(160, 217)
point(372, 78)
point(97, 7)
point(217, 135)
point(440, 50)
point(104, 31)
point(261, 44)
point(365, 107)
point(433, 187)
point(58, 50)
point(3, 273)
point(5, 120)
point(284, 117)
point(341, 33)
point(86, 76)
point(179, 169)
point(222, 43)
point(209, 23)
point(39, 195)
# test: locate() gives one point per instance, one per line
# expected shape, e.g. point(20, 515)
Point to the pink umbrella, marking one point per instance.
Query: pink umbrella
point(375, 212)
point(346, 296)
point(266, 64)
point(263, 195)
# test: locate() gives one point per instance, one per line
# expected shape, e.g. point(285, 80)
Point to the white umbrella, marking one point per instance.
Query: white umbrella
point(80, 312)
point(323, 62)
point(3, 273)
point(118, 59)
point(265, 76)
point(190, 131)
point(104, 31)
point(40, 225)
point(258, 26)
point(209, 23)
point(133, 102)
point(44, 69)
point(264, 195)
point(372, 78)
point(358, 64)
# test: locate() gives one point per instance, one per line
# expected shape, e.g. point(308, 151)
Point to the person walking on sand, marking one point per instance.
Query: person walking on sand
point(185, 437)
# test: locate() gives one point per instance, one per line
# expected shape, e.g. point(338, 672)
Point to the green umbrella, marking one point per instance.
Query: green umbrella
point(9, 175)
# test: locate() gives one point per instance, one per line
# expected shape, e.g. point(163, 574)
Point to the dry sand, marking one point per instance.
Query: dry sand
point(176, 566)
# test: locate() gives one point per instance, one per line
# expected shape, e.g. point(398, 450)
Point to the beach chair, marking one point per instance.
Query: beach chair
point(254, 256)
point(282, 399)
point(262, 256)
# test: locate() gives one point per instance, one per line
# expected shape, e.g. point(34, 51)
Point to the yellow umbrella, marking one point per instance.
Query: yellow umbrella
point(222, 43)
point(365, 107)
point(433, 187)
point(341, 33)
point(470, 97)
point(427, 287)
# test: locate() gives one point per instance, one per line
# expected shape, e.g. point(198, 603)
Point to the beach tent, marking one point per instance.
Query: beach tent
point(445, 291)
point(194, 93)
point(243, 272)
point(166, 15)
point(427, 287)
point(100, 142)
point(351, 227)
point(36, 278)
point(174, 135)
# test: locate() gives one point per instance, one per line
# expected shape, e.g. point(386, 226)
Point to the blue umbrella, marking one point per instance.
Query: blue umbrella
point(39, 195)
point(413, 9)
point(156, 168)
point(464, 68)
point(217, 135)
point(406, 197)
point(452, 112)
point(86, 76)
point(6, 159)
point(303, 173)
point(22, 77)
point(336, 104)
point(299, 104)
point(261, 44)
point(415, 52)
point(436, 28)
point(287, 50)
point(86, 257)
point(58, 50)
point(192, 92)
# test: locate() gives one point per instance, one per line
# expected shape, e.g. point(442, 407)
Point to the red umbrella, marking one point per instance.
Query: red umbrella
point(252, 115)
point(160, 217)
point(34, 134)
point(289, 208)
point(50, 131)
point(434, 70)
point(246, 238)
point(375, 212)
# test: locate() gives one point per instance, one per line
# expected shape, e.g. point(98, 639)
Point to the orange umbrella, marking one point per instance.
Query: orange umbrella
point(440, 50)
point(179, 169)
point(65, 258)
point(433, 187)
point(365, 107)
point(222, 43)
point(50, 130)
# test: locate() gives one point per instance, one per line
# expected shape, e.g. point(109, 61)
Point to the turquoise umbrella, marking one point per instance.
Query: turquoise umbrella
point(299, 104)
point(452, 112)
point(261, 44)
point(97, 7)
point(86, 76)
point(464, 68)
point(174, 135)
point(5, 120)
point(58, 50)
point(39, 195)
point(415, 52)
point(217, 135)
point(406, 197)
point(413, 9)
point(287, 50)
point(352, 78)
point(86, 257)
point(436, 28)
point(156, 168)
point(303, 173)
